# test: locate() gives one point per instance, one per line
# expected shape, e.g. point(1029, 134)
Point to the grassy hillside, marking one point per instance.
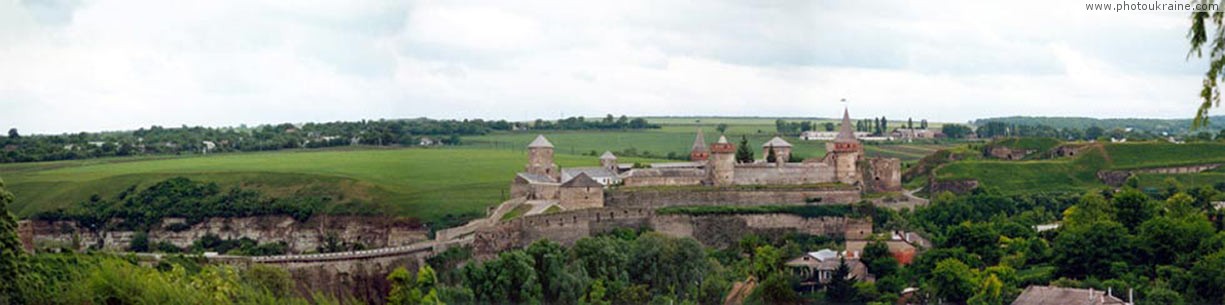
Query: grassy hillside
point(1079, 173)
point(431, 184)
point(1157, 154)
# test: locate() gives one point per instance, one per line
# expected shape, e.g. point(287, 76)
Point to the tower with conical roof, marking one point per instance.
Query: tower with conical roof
point(699, 152)
point(845, 153)
point(540, 159)
point(609, 161)
point(721, 167)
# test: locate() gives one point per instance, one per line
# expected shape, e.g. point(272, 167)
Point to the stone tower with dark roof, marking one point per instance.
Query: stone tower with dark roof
point(781, 148)
point(699, 152)
point(845, 153)
point(540, 159)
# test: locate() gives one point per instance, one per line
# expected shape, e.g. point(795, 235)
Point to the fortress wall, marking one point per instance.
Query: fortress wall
point(664, 198)
point(299, 236)
point(696, 179)
point(1179, 169)
point(787, 174)
point(711, 230)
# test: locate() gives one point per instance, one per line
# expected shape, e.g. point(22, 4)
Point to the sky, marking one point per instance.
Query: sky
point(83, 65)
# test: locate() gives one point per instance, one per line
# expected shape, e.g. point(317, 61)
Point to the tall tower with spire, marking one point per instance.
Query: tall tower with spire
point(540, 159)
point(845, 152)
point(699, 152)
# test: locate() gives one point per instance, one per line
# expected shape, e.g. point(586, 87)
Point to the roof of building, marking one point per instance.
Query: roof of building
point(541, 142)
point(594, 172)
point(845, 133)
point(722, 139)
point(699, 142)
point(811, 260)
point(776, 142)
point(1047, 295)
point(535, 178)
point(901, 250)
point(608, 155)
point(582, 180)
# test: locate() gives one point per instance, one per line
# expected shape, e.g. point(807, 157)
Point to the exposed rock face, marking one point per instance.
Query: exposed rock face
point(299, 236)
point(1006, 153)
point(954, 186)
point(1113, 178)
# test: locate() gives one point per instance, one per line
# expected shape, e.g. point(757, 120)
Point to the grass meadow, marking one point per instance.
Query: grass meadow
point(430, 184)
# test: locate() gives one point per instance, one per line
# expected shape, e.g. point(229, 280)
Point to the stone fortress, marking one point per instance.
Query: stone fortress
point(713, 166)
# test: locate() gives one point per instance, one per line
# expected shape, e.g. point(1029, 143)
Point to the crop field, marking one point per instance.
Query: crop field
point(430, 184)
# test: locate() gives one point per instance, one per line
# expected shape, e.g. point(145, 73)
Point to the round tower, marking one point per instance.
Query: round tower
point(721, 166)
point(540, 159)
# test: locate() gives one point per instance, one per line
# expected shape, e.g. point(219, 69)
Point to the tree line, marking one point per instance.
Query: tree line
point(194, 140)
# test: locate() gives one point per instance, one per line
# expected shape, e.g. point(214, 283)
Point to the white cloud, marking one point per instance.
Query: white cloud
point(96, 65)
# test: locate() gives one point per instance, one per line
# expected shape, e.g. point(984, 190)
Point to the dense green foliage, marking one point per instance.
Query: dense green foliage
point(102, 279)
point(179, 197)
point(10, 250)
point(1165, 249)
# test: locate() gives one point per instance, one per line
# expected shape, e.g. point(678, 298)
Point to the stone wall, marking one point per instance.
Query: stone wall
point(784, 174)
point(574, 198)
point(665, 176)
point(663, 197)
point(954, 186)
point(25, 234)
point(1189, 169)
point(299, 236)
point(563, 227)
point(883, 175)
point(1005, 153)
point(710, 230)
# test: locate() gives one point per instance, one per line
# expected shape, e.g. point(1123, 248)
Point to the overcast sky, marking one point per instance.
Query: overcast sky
point(69, 66)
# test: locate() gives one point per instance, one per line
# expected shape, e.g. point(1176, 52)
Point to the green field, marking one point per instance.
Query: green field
point(430, 184)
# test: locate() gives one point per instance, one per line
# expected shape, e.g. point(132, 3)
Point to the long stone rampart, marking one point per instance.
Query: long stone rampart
point(736, 196)
point(711, 230)
point(1189, 169)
